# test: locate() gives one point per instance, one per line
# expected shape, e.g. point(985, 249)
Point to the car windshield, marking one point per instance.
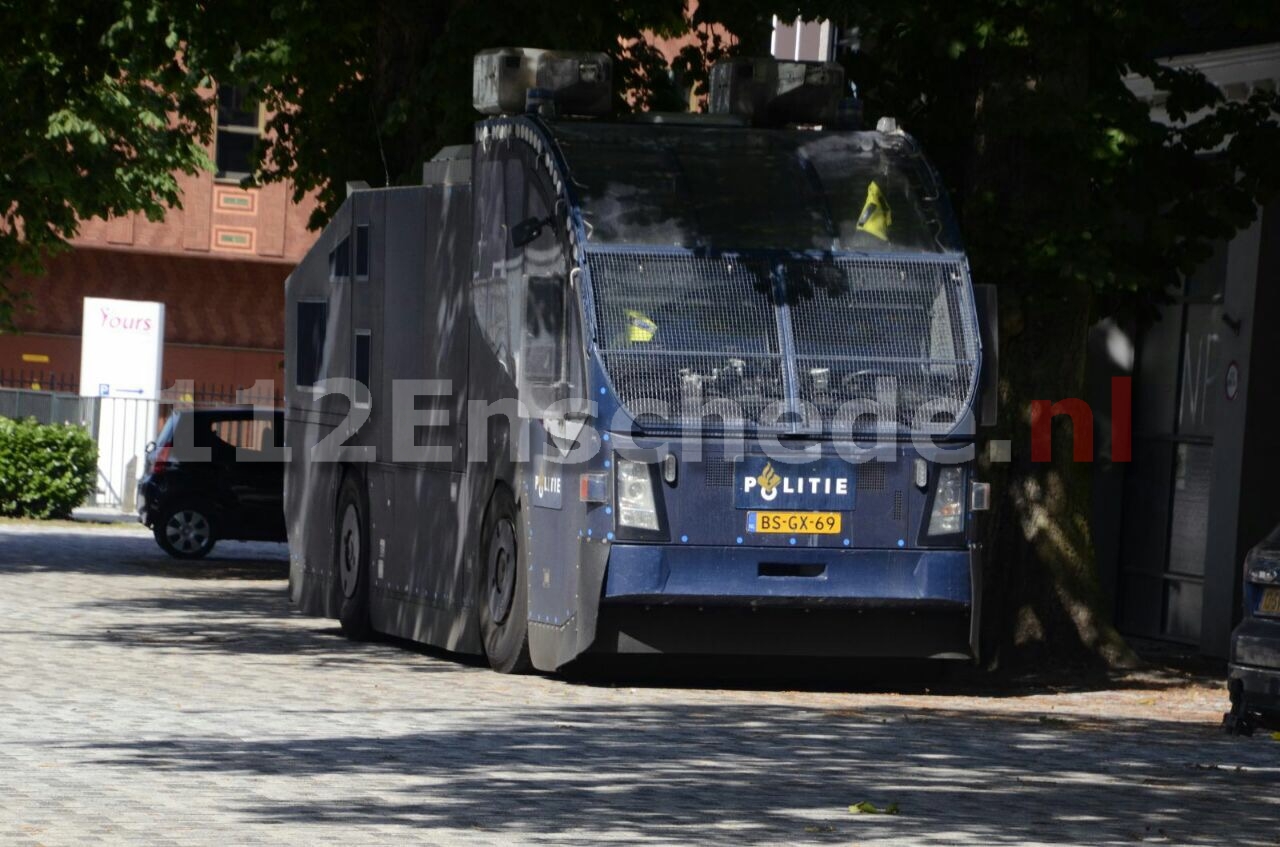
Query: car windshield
point(732, 188)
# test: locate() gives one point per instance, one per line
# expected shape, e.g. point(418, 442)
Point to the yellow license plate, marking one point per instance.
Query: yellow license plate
point(793, 523)
point(1270, 604)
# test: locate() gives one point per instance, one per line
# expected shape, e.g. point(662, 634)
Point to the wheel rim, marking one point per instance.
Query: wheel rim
point(188, 531)
point(502, 571)
point(349, 550)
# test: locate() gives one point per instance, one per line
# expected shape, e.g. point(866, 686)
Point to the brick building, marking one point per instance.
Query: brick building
point(218, 264)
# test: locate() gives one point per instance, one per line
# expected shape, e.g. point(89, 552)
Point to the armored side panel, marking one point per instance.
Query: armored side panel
point(316, 332)
point(421, 582)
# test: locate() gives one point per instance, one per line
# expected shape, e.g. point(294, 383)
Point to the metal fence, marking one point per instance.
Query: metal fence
point(182, 394)
point(46, 406)
point(121, 426)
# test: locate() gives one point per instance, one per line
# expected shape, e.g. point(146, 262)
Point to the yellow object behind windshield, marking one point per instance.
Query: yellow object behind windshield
point(876, 217)
point(640, 327)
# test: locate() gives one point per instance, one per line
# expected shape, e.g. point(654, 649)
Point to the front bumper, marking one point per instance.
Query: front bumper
point(1254, 669)
point(798, 602)
point(799, 577)
point(146, 500)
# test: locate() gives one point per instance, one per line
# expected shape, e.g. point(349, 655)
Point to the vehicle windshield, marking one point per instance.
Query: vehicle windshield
point(733, 188)
point(869, 337)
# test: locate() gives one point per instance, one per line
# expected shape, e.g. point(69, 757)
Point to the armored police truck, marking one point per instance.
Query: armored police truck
point(698, 383)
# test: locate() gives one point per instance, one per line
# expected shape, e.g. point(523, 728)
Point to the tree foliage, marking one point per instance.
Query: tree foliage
point(102, 107)
point(369, 94)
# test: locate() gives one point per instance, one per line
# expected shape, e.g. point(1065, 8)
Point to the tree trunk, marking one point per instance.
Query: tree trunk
point(1045, 600)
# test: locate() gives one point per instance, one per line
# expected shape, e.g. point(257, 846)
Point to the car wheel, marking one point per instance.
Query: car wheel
point(502, 590)
point(351, 557)
point(1238, 721)
point(186, 532)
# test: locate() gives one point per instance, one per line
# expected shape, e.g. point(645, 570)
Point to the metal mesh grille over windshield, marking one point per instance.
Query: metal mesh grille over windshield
point(681, 334)
point(887, 338)
point(849, 344)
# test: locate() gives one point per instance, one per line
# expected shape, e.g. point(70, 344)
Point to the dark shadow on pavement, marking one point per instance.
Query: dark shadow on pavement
point(244, 619)
point(112, 553)
point(727, 774)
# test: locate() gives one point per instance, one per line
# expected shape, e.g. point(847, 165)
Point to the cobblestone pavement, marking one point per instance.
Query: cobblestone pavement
point(145, 701)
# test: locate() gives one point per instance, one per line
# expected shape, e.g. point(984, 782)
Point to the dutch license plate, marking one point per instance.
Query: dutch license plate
point(1270, 604)
point(805, 523)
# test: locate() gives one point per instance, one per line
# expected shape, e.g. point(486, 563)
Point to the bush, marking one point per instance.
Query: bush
point(46, 470)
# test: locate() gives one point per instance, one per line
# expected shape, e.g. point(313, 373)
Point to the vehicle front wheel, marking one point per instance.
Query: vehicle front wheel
point(186, 532)
point(502, 590)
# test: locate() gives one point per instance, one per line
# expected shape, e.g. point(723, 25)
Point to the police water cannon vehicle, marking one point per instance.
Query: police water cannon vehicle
point(651, 383)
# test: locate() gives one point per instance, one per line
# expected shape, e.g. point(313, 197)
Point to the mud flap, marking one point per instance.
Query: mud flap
point(565, 569)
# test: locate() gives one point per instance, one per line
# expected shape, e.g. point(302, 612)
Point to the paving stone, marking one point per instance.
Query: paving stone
point(150, 701)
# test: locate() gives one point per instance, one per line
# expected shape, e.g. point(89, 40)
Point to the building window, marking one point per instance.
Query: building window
point(239, 129)
point(363, 352)
point(313, 318)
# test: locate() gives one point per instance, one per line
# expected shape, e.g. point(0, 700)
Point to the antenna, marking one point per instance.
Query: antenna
point(377, 134)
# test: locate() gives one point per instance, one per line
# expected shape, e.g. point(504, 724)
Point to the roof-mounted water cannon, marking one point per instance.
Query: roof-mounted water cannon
point(768, 92)
point(513, 80)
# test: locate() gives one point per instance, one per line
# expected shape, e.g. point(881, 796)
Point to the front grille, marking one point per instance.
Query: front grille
point(719, 472)
point(871, 477)
point(686, 338)
point(846, 344)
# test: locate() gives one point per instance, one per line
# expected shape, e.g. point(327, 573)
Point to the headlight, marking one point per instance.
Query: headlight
point(635, 496)
point(1262, 567)
point(948, 503)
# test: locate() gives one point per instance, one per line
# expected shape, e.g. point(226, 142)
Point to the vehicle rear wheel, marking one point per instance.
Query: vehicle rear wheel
point(186, 532)
point(502, 590)
point(1238, 721)
point(351, 556)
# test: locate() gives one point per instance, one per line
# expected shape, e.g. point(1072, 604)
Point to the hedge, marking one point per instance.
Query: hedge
point(46, 470)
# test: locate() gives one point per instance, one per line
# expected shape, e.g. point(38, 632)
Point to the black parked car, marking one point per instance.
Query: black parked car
point(214, 474)
point(1253, 675)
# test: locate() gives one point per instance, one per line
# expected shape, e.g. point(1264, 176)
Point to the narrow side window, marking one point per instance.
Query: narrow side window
point(362, 251)
point(313, 316)
point(363, 353)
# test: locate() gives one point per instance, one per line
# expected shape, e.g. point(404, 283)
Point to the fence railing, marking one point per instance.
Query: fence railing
point(38, 380)
point(121, 426)
point(181, 393)
point(46, 406)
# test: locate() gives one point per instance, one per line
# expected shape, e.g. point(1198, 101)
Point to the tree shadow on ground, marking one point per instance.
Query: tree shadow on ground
point(943, 678)
point(736, 774)
point(124, 553)
point(239, 618)
point(251, 618)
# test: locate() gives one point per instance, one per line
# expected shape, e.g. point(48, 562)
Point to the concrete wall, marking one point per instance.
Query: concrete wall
point(1222, 562)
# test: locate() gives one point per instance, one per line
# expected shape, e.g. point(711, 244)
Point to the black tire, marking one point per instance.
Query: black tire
point(351, 560)
point(1238, 721)
point(502, 593)
point(186, 531)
